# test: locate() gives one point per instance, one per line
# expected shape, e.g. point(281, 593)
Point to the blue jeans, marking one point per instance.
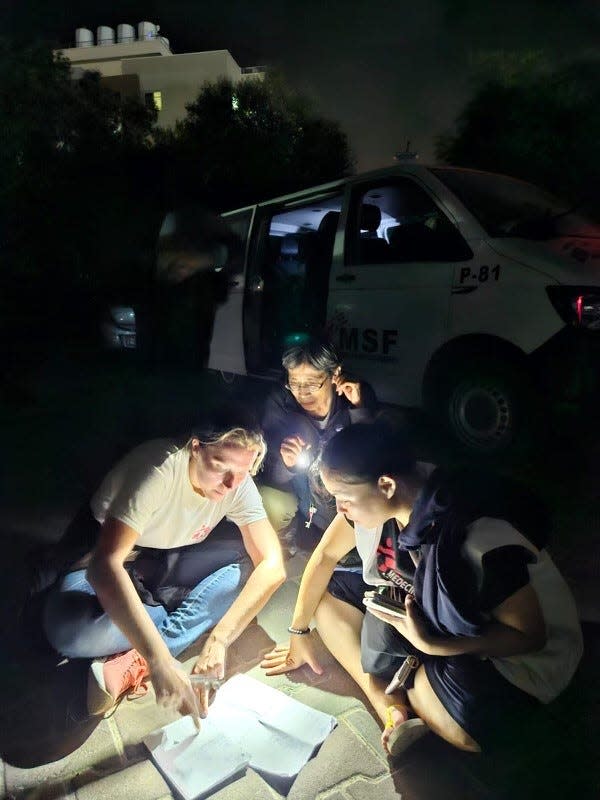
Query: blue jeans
point(77, 626)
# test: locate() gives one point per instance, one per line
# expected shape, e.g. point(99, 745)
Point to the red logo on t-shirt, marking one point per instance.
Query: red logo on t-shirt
point(201, 534)
point(389, 570)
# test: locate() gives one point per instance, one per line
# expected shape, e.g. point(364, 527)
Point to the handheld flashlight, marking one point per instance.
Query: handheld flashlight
point(303, 460)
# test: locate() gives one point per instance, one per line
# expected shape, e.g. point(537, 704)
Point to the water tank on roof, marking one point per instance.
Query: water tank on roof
point(105, 35)
point(146, 30)
point(84, 38)
point(125, 33)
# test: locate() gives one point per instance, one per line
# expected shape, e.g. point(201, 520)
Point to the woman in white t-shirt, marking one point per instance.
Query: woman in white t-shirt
point(155, 580)
point(488, 625)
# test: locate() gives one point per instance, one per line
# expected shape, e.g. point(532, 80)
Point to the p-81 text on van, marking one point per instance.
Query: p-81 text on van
point(449, 288)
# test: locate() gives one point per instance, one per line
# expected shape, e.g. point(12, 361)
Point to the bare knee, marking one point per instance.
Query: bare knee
point(326, 612)
point(427, 705)
point(338, 622)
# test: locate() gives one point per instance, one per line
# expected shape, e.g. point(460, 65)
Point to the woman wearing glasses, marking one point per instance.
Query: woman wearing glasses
point(317, 400)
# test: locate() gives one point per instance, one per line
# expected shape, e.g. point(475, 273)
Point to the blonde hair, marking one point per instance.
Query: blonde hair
point(236, 437)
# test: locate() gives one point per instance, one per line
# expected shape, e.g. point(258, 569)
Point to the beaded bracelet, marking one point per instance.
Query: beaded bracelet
point(298, 631)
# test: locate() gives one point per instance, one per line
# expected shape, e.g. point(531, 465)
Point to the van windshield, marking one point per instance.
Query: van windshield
point(507, 207)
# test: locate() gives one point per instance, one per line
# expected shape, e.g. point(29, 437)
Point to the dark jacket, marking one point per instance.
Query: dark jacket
point(444, 583)
point(283, 417)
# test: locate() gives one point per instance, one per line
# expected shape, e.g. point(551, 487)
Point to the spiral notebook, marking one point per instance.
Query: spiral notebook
point(249, 724)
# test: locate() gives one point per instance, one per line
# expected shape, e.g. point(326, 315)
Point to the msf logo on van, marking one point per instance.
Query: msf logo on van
point(368, 342)
point(375, 344)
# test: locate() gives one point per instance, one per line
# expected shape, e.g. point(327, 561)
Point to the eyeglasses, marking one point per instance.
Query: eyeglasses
point(305, 388)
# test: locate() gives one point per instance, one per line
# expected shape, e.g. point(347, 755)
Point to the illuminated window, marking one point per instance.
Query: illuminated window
point(153, 100)
point(397, 222)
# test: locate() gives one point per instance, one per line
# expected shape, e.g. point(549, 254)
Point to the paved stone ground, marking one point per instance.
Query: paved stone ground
point(56, 450)
point(51, 750)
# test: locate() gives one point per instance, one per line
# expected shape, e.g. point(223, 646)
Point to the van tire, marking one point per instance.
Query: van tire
point(483, 404)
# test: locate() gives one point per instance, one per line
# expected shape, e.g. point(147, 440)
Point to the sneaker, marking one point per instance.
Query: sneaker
point(112, 678)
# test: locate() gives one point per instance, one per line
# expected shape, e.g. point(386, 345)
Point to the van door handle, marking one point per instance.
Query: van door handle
point(346, 277)
point(256, 285)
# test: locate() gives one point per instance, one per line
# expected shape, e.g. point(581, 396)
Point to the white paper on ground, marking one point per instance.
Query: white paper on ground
point(279, 734)
point(195, 762)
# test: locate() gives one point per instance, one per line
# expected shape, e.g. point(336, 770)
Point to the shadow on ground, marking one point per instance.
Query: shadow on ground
point(44, 718)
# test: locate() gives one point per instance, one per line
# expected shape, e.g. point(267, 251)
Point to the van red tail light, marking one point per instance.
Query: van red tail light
point(577, 305)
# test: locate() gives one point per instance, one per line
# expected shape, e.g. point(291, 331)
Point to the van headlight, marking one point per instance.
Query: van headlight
point(123, 315)
point(577, 305)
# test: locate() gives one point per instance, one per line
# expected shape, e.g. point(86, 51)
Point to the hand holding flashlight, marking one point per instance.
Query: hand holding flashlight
point(294, 452)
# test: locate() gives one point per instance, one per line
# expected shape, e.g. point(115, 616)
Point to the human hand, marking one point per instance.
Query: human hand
point(347, 387)
point(173, 688)
point(209, 671)
point(285, 658)
point(413, 626)
point(291, 448)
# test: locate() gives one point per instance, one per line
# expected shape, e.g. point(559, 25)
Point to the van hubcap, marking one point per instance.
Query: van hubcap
point(482, 416)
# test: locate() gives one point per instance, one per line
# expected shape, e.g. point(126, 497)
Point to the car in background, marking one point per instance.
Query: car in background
point(118, 329)
point(192, 242)
point(470, 294)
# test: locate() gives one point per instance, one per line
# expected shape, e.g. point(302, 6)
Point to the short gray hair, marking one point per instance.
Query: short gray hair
point(318, 354)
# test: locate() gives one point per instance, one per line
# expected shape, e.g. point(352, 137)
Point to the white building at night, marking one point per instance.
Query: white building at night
point(141, 63)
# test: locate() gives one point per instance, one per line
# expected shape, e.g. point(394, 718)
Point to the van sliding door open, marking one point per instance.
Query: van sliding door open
point(288, 277)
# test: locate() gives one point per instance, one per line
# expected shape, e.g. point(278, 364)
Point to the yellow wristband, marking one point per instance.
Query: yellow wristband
point(389, 722)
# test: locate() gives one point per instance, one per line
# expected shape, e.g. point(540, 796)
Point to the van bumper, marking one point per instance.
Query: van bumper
point(567, 366)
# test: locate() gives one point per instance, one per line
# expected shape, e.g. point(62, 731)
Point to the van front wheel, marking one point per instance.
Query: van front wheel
point(484, 406)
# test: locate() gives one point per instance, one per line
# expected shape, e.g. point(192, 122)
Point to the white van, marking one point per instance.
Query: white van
point(446, 287)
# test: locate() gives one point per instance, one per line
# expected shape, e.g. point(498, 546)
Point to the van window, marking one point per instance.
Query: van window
point(398, 222)
point(294, 262)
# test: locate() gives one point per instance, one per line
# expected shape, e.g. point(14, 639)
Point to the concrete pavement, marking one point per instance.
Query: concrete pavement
point(50, 749)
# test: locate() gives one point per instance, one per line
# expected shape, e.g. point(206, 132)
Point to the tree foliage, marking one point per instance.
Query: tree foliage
point(536, 123)
point(63, 142)
point(87, 177)
point(74, 200)
point(253, 140)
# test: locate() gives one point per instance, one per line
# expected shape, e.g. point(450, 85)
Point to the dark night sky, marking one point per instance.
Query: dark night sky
point(388, 71)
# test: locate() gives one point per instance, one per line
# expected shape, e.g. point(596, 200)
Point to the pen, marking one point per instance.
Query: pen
point(206, 680)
